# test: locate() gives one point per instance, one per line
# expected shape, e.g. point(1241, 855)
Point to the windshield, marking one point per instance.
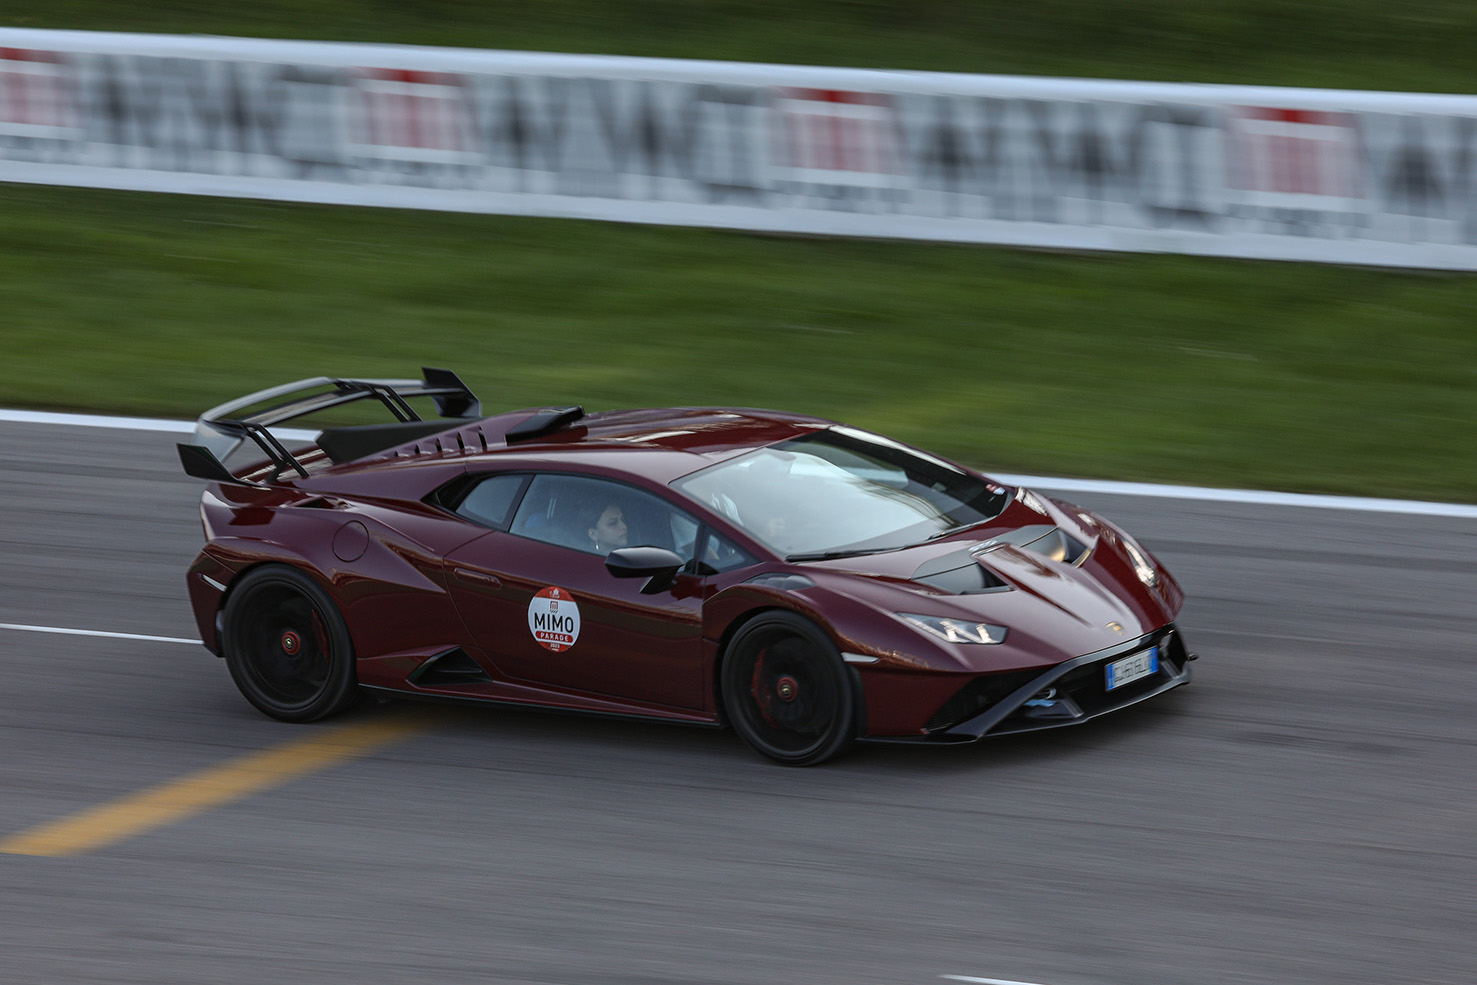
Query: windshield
point(842, 491)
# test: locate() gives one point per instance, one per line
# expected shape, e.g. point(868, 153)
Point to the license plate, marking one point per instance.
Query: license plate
point(1130, 669)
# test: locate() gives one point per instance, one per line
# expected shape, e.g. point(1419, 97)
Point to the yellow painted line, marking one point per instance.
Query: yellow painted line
point(207, 788)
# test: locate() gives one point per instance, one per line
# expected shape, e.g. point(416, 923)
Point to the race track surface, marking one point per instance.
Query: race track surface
point(1303, 813)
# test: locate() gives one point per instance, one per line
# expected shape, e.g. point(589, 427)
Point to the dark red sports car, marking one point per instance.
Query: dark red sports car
point(808, 583)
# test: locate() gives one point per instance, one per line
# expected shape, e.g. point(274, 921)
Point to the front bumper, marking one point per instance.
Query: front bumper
point(1074, 691)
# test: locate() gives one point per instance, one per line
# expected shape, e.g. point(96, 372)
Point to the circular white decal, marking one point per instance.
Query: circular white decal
point(554, 619)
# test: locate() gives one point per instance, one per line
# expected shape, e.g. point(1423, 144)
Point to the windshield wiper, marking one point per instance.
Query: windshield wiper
point(950, 532)
point(859, 551)
point(830, 555)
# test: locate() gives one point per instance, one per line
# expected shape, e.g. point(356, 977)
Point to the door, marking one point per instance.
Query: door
point(538, 599)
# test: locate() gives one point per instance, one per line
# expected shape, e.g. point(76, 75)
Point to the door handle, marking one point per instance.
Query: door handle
point(477, 577)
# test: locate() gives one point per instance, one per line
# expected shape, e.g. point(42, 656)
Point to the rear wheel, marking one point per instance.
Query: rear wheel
point(287, 646)
point(786, 690)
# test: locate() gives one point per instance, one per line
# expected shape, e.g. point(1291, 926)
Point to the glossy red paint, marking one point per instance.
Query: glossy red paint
point(415, 581)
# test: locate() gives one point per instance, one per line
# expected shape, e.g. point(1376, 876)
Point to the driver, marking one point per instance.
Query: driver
point(608, 531)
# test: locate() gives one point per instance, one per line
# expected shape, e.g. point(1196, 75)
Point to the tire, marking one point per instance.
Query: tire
point(287, 646)
point(786, 691)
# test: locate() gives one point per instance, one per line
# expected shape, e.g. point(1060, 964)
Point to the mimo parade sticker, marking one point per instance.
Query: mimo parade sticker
point(554, 619)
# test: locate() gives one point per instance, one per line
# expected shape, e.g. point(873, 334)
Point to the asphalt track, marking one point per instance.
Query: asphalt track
point(1304, 813)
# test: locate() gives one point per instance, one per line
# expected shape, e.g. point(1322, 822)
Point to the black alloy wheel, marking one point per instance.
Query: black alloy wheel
point(786, 691)
point(287, 646)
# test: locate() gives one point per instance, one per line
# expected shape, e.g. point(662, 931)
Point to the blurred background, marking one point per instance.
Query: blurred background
point(1289, 376)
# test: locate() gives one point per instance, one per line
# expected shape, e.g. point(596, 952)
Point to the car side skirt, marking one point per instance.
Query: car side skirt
point(396, 694)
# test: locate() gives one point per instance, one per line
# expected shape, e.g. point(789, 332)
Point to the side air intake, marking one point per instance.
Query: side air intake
point(448, 670)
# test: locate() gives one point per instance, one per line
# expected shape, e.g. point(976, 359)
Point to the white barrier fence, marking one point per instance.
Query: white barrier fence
point(1242, 171)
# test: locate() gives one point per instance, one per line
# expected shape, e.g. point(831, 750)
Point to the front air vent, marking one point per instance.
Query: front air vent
point(448, 670)
point(976, 696)
point(968, 579)
point(1172, 647)
point(1051, 542)
point(959, 573)
point(1058, 545)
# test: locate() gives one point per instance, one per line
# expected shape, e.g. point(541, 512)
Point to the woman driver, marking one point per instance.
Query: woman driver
point(609, 530)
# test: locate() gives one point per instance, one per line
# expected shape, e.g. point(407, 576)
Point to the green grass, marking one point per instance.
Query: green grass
point(1208, 371)
point(1220, 372)
point(1360, 44)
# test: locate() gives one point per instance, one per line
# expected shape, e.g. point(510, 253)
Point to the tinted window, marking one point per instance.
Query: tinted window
point(489, 501)
point(722, 554)
point(599, 516)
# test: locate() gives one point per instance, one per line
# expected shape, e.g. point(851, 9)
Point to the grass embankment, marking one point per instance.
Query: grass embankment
point(1207, 371)
point(1220, 372)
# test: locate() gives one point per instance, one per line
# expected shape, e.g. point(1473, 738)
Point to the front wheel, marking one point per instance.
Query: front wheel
point(287, 646)
point(787, 692)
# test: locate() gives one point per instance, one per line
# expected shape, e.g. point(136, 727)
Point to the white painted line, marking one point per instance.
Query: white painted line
point(983, 981)
point(126, 423)
point(94, 421)
point(1253, 497)
point(94, 632)
point(1104, 487)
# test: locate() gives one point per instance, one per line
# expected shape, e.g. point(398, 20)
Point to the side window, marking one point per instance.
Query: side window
point(489, 501)
point(721, 554)
point(599, 516)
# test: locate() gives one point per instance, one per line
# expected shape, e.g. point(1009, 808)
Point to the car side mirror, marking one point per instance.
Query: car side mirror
point(655, 563)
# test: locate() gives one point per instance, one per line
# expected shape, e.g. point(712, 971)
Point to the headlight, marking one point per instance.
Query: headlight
point(1142, 566)
point(955, 630)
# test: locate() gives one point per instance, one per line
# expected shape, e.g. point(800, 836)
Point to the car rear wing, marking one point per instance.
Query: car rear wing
point(221, 430)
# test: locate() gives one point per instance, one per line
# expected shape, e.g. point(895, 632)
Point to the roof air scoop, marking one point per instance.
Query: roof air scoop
point(542, 422)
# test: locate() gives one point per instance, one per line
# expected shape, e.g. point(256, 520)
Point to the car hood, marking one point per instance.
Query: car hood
point(1052, 608)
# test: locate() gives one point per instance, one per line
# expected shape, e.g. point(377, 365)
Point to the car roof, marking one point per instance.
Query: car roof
point(661, 444)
